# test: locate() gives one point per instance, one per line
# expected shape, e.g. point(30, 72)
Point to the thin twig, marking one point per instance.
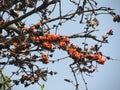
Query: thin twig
point(86, 36)
point(43, 6)
point(84, 81)
point(74, 76)
point(59, 59)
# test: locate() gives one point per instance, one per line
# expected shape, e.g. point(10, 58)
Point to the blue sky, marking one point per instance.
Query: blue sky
point(107, 77)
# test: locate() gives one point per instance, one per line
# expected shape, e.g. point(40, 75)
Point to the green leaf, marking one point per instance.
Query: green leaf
point(6, 81)
point(1, 68)
point(42, 86)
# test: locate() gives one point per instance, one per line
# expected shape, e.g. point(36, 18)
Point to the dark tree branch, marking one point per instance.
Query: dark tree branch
point(86, 36)
point(43, 6)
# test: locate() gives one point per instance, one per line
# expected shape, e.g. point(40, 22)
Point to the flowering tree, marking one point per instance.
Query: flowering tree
point(26, 46)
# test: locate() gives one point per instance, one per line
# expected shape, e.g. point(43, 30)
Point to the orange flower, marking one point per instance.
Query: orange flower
point(99, 56)
point(2, 22)
point(33, 38)
point(70, 52)
point(32, 78)
point(52, 37)
point(15, 44)
point(95, 56)
point(62, 44)
point(88, 55)
point(45, 58)
point(37, 38)
point(57, 36)
point(32, 28)
point(77, 55)
point(65, 38)
point(49, 37)
point(74, 53)
point(47, 45)
point(41, 38)
point(101, 61)
point(25, 28)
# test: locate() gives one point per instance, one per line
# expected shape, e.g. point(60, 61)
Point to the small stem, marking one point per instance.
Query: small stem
point(84, 81)
point(77, 84)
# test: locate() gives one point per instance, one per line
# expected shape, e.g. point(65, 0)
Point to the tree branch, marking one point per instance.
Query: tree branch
point(43, 6)
point(86, 36)
point(68, 15)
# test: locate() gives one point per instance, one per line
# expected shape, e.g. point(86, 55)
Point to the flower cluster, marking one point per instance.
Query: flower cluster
point(79, 55)
point(50, 41)
point(47, 45)
point(98, 57)
point(46, 37)
point(74, 52)
point(64, 42)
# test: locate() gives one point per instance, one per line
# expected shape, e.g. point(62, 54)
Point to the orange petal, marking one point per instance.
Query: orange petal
point(15, 44)
point(25, 28)
point(32, 28)
point(32, 78)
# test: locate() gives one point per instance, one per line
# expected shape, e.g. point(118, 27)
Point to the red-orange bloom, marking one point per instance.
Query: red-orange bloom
point(2, 22)
point(74, 53)
point(65, 38)
point(32, 78)
point(99, 56)
point(45, 58)
point(42, 38)
point(62, 44)
point(56, 37)
point(15, 44)
point(32, 28)
point(69, 50)
point(88, 55)
point(33, 38)
point(47, 45)
point(25, 28)
point(101, 61)
point(96, 56)
point(77, 55)
point(37, 38)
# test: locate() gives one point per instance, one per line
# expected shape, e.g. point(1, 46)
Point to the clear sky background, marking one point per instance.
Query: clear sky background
point(107, 77)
